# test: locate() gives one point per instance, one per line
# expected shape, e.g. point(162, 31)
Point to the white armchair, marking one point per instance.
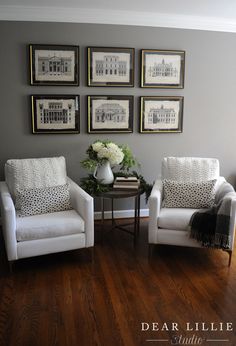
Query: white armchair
point(50, 232)
point(170, 226)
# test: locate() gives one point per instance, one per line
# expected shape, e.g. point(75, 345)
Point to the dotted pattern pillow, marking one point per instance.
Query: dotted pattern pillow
point(189, 194)
point(43, 200)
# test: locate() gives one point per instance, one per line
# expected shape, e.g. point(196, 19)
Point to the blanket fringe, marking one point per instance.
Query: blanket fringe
point(216, 241)
point(222, 241)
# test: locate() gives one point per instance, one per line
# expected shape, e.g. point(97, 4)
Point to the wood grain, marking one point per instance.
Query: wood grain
point(68, 300)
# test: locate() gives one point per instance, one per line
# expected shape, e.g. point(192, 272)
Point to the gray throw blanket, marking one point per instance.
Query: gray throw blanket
point(211, 226)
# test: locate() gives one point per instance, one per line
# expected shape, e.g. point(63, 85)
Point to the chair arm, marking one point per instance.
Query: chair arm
point(82, 202)
point(232, 221)
point(226, 193)
point(8, 221)
point(154, 203)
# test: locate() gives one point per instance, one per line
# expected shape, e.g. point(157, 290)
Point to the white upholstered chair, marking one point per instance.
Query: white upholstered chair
point(50, 232)
point(170, 225)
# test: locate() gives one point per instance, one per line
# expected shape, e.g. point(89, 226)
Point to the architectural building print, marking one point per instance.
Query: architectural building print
point(162, 115)
point(110, 112)
point(111, 65)
point(162, 69)
point(54, 66)
point(54, 113)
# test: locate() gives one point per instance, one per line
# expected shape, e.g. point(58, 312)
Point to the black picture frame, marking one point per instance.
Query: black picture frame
point(162, 68)
point(110, 114)
point(161, 114)
point(110, 66)
point(55, 114)
point(54, 65)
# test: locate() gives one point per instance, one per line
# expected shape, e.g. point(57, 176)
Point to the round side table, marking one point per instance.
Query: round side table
point(119, 194)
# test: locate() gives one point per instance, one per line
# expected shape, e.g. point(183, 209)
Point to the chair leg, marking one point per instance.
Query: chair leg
point(91, 253)
point(230, 257)
point(10, 264)
point(92, 265)
point(150, 249)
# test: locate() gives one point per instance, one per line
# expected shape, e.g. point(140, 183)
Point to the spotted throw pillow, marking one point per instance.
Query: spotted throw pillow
point(189, 194)
point(43, 200)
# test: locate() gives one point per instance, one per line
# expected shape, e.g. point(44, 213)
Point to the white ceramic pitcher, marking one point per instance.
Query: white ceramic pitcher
point(104, 173)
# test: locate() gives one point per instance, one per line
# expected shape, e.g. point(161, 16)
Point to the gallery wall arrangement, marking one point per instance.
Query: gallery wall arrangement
point(58, 65)
point(205, 99)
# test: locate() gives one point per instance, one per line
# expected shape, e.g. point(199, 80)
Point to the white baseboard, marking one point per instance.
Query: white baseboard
point(120, 214)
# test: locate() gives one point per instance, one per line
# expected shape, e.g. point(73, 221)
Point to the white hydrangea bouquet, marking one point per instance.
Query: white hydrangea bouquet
point(108, 151)
point(102, 151)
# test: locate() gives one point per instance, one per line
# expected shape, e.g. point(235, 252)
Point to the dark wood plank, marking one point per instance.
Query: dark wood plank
point(67, 300)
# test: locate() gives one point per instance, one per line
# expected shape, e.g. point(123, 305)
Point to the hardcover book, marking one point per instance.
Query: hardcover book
point(126, 183)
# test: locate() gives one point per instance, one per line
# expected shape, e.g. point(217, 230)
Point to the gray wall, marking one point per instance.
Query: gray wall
point(209, 108)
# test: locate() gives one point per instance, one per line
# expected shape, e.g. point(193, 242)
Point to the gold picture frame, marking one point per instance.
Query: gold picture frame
point(55, 114)
point(110, 66)
point(110, 114)
point(162, 68)
point(161, 114)
point(54, 65)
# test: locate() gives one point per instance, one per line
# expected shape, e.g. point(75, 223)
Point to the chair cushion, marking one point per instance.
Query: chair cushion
point(48, 225)
point(189, 194)
point(35, 173)
point(175, 218)
point(190, 169)
point(43, 200)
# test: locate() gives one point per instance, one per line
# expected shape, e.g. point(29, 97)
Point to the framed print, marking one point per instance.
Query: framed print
point(54, 65)
point(110, 66)
point(110, 114)
point(161, 114)
point(55, 113)
point(162, 68)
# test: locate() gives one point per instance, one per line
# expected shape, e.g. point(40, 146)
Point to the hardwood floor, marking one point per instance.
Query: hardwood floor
point(67, 300)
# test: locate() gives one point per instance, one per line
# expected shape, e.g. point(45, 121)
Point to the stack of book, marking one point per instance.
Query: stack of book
point(122, 183)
